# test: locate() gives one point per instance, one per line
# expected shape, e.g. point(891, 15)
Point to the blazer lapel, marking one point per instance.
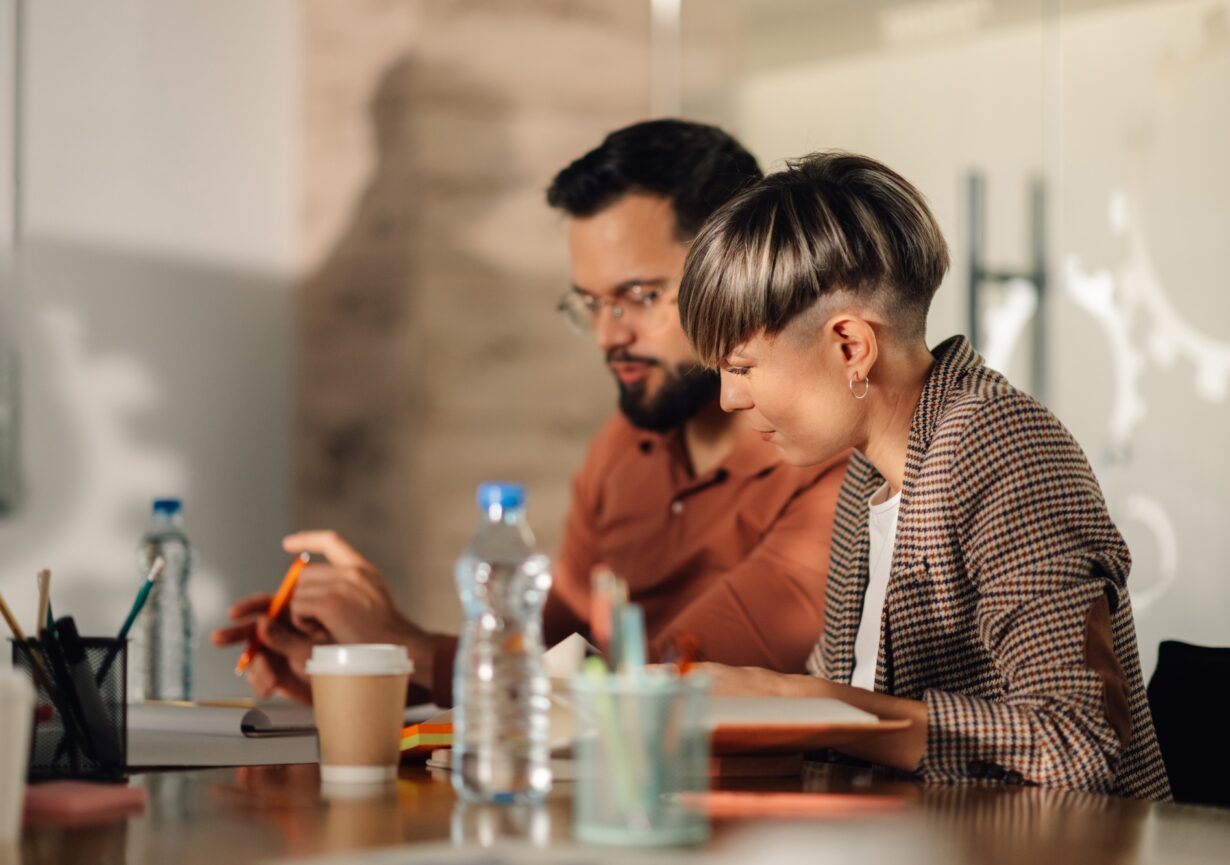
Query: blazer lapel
point(953, 359)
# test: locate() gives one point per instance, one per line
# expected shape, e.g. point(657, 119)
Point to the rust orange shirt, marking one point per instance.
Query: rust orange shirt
point(736, 557)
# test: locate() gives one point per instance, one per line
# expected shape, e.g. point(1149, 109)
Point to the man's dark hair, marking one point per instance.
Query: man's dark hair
point(697, 167)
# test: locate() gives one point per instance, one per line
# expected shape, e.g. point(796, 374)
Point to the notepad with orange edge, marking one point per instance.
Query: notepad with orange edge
point(729, 804)
point(422, 739)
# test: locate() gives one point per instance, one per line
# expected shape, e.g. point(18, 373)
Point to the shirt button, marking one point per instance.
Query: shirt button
point(676, 507)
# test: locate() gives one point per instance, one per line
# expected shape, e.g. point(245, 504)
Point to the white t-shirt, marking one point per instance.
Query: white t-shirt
point(882, 521)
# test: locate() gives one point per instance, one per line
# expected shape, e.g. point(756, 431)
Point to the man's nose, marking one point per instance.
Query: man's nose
point(734, 394)
point(610, 330)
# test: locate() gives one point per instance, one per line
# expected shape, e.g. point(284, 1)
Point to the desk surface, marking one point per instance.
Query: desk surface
point(236, 816)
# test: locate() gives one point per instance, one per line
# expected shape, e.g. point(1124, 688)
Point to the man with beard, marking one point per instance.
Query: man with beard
point(717, 538)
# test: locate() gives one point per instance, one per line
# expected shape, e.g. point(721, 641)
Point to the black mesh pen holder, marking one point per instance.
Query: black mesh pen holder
point(81, 708)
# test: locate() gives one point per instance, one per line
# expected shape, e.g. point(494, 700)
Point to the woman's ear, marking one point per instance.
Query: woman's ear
point(855, 339)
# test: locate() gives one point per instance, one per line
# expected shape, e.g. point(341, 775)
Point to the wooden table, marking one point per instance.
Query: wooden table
point(236, 816)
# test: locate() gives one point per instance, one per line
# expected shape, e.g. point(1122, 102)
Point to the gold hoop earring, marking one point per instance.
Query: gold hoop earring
point(866, 387)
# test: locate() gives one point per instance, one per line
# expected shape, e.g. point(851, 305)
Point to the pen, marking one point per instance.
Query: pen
point(44, 599)
point(683, 652)
point(275, 608)
point(95, 721)
point(19, 635)
point(611, 740)
point(629, 624)
point(72, 715)
point(142, 596)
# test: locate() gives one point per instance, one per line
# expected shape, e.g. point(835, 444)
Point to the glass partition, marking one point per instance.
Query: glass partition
point(1075, 154)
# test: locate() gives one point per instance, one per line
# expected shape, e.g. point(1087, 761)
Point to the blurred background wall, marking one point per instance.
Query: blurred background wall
point(291, 260)
point(1117, 111)
point(152, 300)
point(430, 355)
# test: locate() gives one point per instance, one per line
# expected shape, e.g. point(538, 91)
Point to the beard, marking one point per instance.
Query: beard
point(685, 390)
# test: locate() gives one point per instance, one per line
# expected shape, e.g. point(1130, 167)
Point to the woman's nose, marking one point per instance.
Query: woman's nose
point(734, 395)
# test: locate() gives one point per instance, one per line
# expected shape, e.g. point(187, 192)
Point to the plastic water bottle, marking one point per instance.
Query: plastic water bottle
point(500, 687)
point(164, 650)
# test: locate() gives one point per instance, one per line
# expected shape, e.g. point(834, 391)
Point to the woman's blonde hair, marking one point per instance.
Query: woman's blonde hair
point(828, 222)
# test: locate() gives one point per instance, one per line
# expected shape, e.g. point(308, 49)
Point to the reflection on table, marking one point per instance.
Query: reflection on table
point(235, 816)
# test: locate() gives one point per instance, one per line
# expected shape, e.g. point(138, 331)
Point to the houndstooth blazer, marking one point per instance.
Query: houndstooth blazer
point(1007, 609)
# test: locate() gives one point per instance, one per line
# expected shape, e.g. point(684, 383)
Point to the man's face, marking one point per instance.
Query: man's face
point(627, 252)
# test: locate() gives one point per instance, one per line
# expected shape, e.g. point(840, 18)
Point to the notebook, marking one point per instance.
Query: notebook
point(217, 719)
point(227, 734)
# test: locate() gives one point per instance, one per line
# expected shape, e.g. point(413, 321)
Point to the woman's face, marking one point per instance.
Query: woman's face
point(795, 392)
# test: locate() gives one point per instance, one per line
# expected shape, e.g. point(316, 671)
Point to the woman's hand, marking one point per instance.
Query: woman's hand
point(758, 682)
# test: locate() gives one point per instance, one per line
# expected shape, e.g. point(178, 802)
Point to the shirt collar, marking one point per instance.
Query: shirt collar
point(751, 455)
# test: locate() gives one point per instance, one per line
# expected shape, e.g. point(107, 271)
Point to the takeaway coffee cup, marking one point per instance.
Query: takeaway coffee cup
point(16, 716)
point(359, 694)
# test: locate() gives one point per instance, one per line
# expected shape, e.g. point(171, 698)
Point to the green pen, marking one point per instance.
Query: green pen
point(155, 571)
point(142, 596)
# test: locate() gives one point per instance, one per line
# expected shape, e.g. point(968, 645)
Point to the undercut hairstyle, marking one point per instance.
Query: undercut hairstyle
point(831, 224)
point(698, 168)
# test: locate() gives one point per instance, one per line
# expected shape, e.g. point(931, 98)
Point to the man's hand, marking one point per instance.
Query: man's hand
point(280, 666)
point(348, 599)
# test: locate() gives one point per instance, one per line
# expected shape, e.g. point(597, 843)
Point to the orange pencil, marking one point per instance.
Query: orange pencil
point(279, 602)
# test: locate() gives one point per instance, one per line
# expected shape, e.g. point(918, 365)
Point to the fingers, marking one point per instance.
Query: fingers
point(228, 636)
point(291, 644)
point(269, 674)
point(339, 601)
point(252, 605)
point(326, 577)
point(261, 676)
point(330, 611)
point(329, 544)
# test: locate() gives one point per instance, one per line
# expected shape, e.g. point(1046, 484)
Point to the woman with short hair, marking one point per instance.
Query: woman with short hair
point(977, 584)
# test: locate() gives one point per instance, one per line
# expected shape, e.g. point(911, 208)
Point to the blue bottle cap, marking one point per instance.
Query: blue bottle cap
point(504, 495)
point(167, 506)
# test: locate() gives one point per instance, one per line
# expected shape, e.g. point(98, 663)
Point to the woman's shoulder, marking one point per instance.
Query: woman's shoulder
point(985, 405)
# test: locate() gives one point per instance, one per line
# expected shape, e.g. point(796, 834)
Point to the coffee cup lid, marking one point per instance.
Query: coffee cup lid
point(359, 659)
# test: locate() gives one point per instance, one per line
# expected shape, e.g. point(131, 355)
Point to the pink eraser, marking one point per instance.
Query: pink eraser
point(74, 803)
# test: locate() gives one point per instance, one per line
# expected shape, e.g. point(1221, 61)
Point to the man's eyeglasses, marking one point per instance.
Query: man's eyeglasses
point(636, 304)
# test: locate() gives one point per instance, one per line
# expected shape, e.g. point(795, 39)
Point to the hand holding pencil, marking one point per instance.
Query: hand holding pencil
point(340, 597)
point(276, 606)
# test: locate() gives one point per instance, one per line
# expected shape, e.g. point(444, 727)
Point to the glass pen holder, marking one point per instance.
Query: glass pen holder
point(81, 710)
point(642, 745)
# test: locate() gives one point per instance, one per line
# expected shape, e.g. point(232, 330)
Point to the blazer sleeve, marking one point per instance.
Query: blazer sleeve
point(1050, 569)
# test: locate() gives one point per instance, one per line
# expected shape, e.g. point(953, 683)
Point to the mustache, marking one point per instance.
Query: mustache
point(619, 355)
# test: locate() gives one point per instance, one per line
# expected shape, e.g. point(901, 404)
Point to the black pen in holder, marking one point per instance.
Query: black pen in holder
point(81, 719)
